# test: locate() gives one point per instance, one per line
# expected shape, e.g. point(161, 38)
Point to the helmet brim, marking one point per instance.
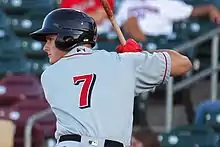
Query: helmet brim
point(41, 34)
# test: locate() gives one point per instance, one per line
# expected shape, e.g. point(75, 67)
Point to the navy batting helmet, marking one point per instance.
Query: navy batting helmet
point(72, 27)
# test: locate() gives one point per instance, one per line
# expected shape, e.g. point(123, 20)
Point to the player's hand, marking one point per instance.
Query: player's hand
point(130, 46)
point(215, 15)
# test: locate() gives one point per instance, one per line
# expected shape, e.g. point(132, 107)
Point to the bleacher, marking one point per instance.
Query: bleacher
point(22, 61)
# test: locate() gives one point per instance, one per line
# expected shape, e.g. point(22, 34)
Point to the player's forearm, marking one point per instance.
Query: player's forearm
point(204, 10)
point(180, 64)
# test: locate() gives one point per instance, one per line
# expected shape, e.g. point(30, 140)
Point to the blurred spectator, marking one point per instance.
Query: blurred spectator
point(156, 17)
point(144, 137)
point(206, 106)
point(94, 9)
point(140, 19)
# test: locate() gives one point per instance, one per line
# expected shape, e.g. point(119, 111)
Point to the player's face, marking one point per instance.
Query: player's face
point(53, 53)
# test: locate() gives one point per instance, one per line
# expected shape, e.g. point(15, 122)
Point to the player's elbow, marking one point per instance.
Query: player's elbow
point(180, 65)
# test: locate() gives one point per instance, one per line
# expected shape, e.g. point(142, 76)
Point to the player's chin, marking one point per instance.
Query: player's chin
point(51, 61)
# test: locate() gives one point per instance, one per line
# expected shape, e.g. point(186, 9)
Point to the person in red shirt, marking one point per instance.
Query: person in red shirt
point(92, 7)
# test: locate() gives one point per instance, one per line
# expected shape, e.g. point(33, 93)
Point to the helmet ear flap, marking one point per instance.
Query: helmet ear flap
point(65, 41)
point(87, 38)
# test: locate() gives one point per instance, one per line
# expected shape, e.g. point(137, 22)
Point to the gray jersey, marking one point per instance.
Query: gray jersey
point(92, 92)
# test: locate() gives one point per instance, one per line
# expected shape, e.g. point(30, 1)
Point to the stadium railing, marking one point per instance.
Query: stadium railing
point(212, 70)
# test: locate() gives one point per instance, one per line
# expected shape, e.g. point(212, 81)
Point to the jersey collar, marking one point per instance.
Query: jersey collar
point(79, 50)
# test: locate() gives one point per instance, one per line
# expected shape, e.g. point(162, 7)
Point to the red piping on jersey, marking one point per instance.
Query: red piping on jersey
point(165, 73)
point(77, 54)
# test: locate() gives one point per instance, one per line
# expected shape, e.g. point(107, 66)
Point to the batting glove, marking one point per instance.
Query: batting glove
point(130, 46)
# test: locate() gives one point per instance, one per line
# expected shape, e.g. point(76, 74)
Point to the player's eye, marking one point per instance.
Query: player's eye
point(49, 39)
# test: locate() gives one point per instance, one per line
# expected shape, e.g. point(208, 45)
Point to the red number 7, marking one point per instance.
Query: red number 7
point(86, 91)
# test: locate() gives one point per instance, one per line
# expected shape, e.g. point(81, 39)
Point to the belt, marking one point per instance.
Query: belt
point(76, 137)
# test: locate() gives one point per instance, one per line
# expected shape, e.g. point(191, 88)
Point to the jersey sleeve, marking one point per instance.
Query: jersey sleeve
point(152, 71)
point(181, 11)
point(135, 58)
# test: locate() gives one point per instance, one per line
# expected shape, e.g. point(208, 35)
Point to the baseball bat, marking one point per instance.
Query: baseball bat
point(111, 17)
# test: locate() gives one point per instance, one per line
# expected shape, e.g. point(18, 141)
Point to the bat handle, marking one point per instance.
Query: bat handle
point(118, 31)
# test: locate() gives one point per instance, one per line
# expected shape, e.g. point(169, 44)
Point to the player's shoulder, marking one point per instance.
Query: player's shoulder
point(45, 74)
point(48, 72)
point(105, 53)
point(131, 55)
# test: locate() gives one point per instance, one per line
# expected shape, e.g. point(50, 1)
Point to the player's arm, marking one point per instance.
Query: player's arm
point(207, 10)
point(183, 11)
point(202, 10)
point(155, 68)
point(180, 64)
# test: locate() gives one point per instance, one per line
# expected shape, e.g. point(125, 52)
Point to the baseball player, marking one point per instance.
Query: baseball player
point(91, 92)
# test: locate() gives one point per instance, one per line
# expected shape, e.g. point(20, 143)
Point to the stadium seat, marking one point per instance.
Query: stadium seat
point(32, 48)
point(151, 43)
point(198, 27)
point(37, 135)
point(172, 40)
point(162, 41)
point(203, 53)
point(108, 45)
point(8, 40)
point(13, 116)
point(15, 88)
point(190, 136)
point(212, 118)
point(204, 108)
point(22, 6)
point(198, 2)
point(111, 35)
point(16, 64)
point(180, 28)
point(27, 108)
point(11, 57)
point(27, 23)
point(4, 19)
point(37, 66)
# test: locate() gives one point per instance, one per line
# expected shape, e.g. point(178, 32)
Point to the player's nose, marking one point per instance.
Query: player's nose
point(46, 47)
